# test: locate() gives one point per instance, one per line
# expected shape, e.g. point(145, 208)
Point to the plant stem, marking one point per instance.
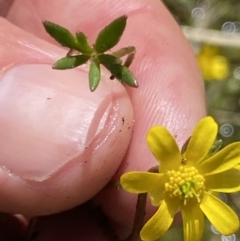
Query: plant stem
point(129, 51)
point(140, 213)
point(139, 217)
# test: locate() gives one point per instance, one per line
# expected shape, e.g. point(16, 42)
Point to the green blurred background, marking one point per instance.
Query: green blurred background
point(212, 27)
point(213, 30)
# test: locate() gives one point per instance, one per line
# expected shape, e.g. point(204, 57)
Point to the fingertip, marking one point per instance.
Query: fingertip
point(57, 137)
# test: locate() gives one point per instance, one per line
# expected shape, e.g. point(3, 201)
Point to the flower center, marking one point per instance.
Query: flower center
point(185, 183)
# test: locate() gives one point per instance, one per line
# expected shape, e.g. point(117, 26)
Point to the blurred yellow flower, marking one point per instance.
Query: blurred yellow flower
point(186, 182)
point(213, 65)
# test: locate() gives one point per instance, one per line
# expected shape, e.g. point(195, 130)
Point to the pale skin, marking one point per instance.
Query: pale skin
point(47, 124)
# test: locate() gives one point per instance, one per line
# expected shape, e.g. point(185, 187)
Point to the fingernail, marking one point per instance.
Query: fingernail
point(47, 117)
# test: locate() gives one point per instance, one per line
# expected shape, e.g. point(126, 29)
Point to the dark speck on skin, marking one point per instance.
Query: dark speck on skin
point(48, 98)
point(123, 120)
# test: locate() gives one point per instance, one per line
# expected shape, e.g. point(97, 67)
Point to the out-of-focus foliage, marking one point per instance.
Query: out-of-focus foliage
point(212, 13)
point(219, 62)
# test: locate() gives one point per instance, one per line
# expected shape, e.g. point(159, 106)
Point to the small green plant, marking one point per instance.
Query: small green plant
point(81, 52)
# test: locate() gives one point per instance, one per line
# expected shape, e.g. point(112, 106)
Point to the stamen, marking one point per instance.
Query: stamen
point(185, 184)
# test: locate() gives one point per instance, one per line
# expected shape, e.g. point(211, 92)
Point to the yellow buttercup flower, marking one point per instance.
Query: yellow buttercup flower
point(188, 182)
point(213, 65)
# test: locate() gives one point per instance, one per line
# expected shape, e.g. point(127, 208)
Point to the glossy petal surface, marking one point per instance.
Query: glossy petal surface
point(141, 182)
point(224, 160)
point(164, 148)
point(219, 214)
point(193, 222)
point(160, 222)
point(228, 181)
point(157, 195)
point(201, 141)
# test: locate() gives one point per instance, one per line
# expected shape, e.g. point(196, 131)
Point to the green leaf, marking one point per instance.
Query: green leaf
point(184, 147)
point(61, 35)
point(70, 62)
point(110, 35)
point(124, 51)
point(113, 64)
point(94, 75)
point(216, 147)
point(83, 43)
point(122, 73)
point(108, 60)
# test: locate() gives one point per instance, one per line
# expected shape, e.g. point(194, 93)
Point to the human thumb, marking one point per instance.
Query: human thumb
point(60, 143)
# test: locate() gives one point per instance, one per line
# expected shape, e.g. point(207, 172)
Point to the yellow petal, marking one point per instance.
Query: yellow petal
point(160, 221)
point(223, 160)
point(237, 167)
point(193, 222)
point(141, 182)
point(157, 195)
point(164, 148)
point(201, 141)
point(219, 214)
point(228, 181)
